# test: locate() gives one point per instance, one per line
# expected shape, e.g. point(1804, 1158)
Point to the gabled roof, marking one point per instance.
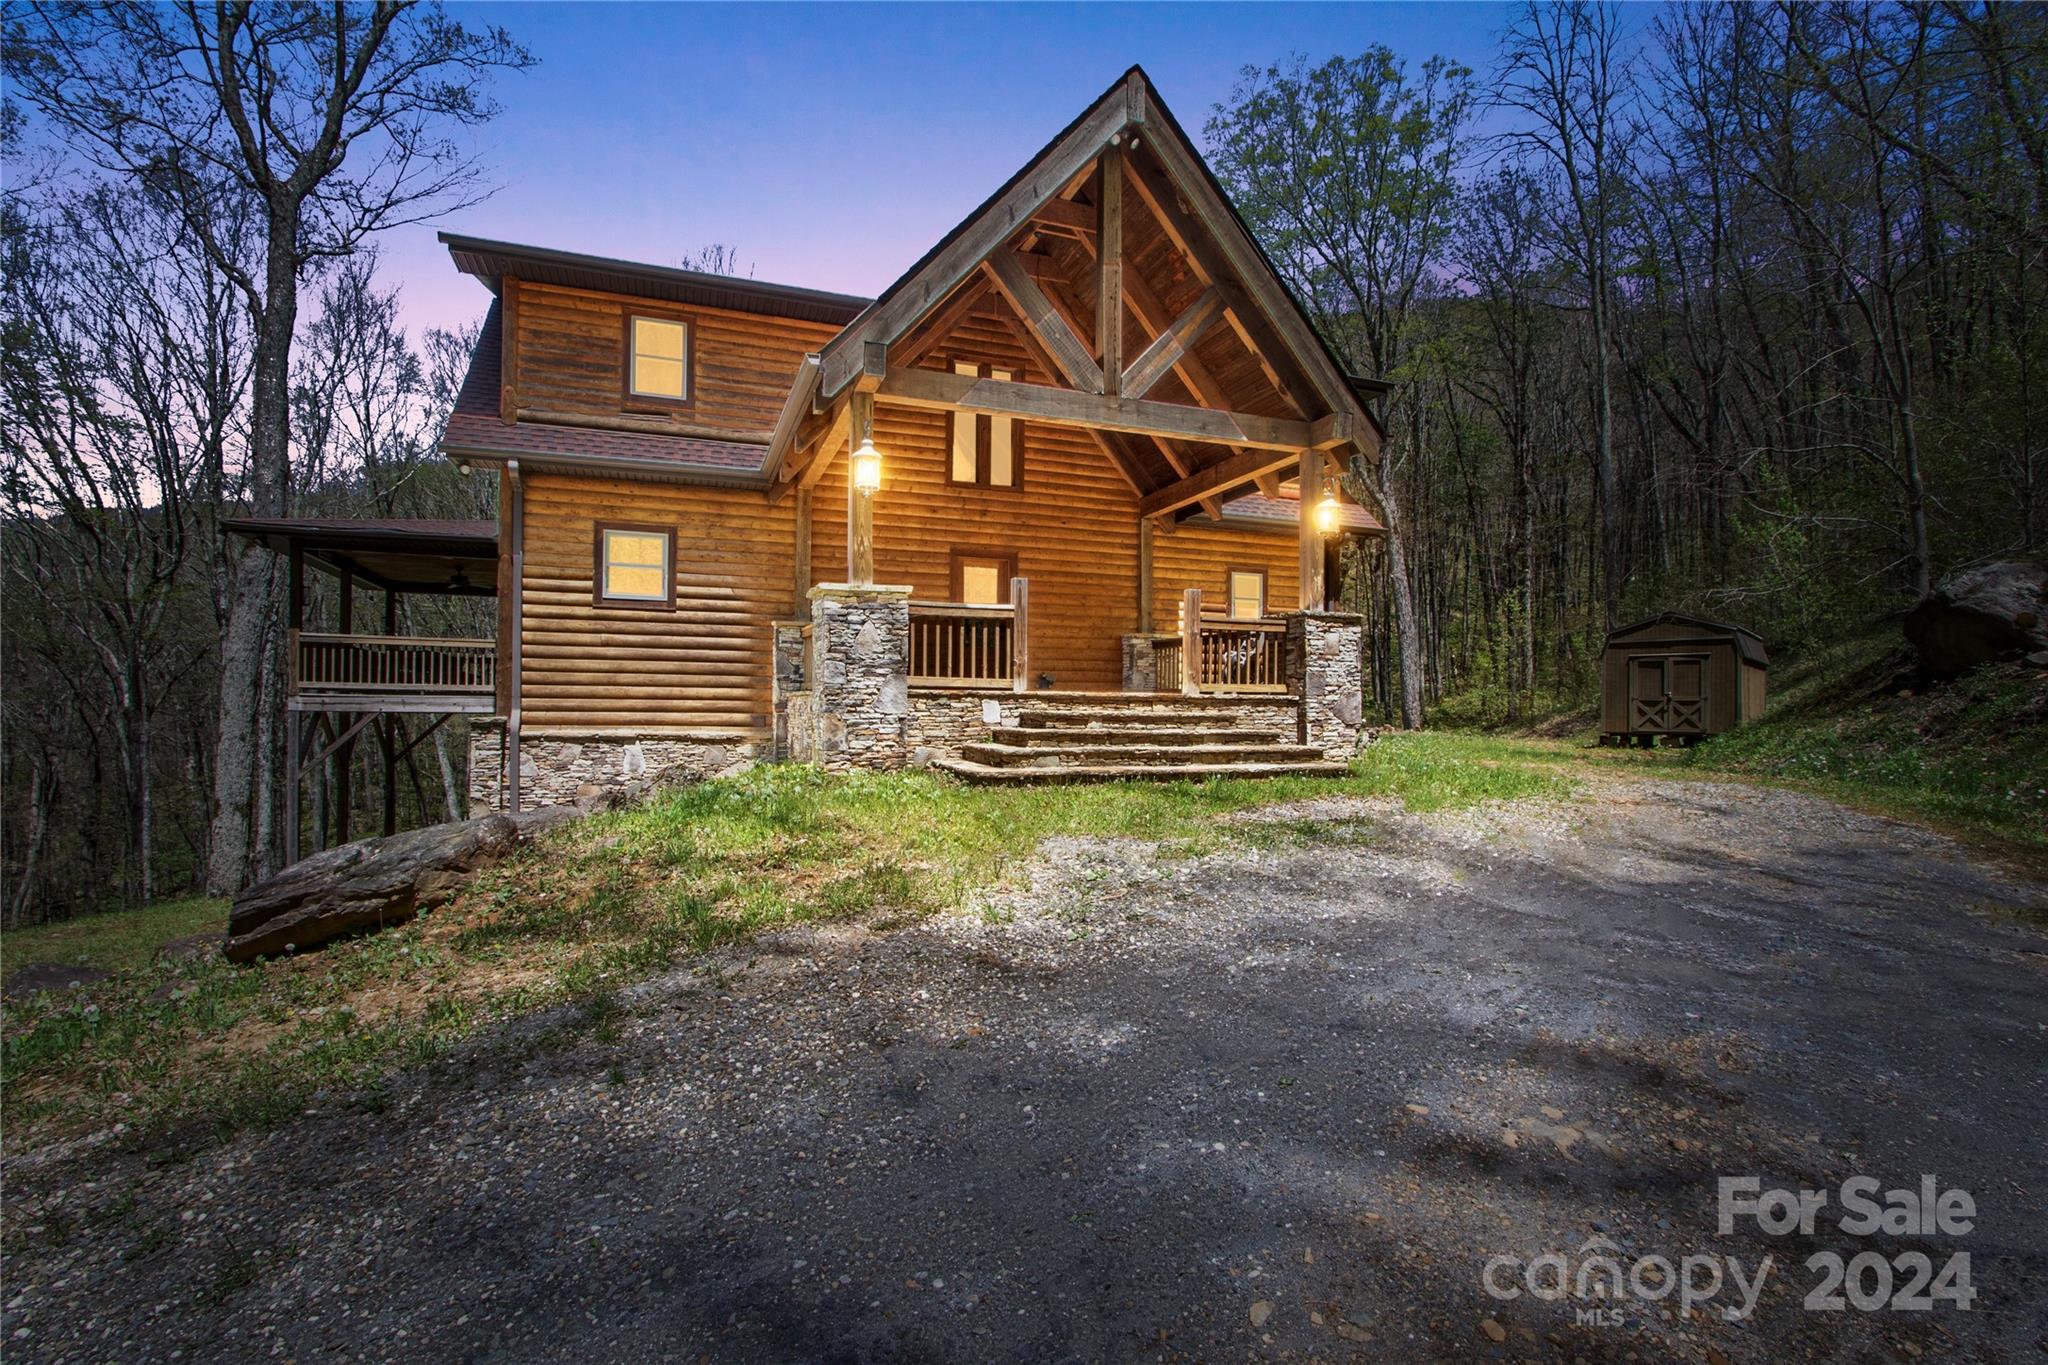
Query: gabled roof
point(1131, 107)
point(1747, 642)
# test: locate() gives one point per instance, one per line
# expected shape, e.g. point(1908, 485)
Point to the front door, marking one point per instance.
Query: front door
point(1668, 694)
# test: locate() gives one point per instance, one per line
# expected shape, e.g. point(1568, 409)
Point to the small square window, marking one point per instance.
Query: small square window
point(658, 359)
point(983, 579)
point(1247, 594)
point(633, 566)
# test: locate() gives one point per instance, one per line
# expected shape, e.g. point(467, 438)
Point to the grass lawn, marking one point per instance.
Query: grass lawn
point(179, 1048)
point(118, 942)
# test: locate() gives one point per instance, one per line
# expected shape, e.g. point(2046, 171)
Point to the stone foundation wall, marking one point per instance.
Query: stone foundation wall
point(1141, 664)
point(1326, 669)
point(559, 767)
point(800, 728)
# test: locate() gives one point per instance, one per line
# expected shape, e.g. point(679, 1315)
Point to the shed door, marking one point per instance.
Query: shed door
point(1667, 693)
point(1686, 704)
point(1646, 693)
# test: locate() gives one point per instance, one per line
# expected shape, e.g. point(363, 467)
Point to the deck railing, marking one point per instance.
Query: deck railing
point(1229, 655)
point(958, 644)
point(1244, 656)
point(363, 664)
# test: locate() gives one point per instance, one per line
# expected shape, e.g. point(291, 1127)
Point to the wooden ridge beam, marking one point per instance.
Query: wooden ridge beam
point(1215, 480)
point(1043, 317)
point(1066, 407)
point(1171, 345)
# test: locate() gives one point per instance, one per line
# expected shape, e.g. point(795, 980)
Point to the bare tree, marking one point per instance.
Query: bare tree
point(1561, 68)
point(328, 121)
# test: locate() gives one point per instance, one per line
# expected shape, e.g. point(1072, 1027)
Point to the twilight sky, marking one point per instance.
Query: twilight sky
point(833, 144)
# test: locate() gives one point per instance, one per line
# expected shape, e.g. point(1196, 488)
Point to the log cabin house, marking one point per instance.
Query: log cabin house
point(964, 523)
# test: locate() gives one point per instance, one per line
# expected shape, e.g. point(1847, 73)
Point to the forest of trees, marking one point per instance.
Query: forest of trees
point(1725, 308)
point(1728, 308)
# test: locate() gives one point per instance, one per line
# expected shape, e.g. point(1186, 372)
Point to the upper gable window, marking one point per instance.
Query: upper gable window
point(984, 447)
point(658, 359)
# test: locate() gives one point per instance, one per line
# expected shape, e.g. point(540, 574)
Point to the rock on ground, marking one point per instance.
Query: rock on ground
point(374, 882)
point(1993, 611)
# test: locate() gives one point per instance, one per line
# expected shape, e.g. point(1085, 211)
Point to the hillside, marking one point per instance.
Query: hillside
point(1859, 720)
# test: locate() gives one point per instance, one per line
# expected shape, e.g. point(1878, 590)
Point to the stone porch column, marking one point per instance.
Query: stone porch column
point(860, 675)
point(1325, 668)
point(1141, 673)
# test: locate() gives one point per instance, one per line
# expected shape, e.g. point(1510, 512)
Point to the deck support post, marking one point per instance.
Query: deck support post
point(860, 507)
point(1311, 540)
point(1145, 533)
point(291, 786)
point(1191, 643)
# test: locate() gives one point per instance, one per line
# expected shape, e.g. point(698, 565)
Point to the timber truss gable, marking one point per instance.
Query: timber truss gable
point(1208, 382)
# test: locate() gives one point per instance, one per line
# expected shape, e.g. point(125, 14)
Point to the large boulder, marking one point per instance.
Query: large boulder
point(375, 882)
point(1993, 611)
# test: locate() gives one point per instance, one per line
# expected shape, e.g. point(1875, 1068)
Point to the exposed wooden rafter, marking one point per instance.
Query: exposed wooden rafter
point(1215, 480)
point(1196, 240)
point(1172, 344)
point(1046, 321)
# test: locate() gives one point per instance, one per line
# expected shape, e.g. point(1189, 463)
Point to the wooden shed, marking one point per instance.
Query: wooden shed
point(1681, 677)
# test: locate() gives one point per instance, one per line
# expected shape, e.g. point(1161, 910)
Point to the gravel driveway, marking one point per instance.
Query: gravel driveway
point(1284, 1103)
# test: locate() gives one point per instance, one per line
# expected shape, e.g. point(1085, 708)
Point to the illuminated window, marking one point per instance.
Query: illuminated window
point(983, 446)
point(659, 361)
point(633, 566)
point(981, 579)
point(1247, 594)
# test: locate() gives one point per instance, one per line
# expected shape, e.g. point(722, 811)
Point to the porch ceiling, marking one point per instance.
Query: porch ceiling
point(397, 554)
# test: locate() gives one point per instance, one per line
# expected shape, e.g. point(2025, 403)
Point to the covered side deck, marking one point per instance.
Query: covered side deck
point(345, 681)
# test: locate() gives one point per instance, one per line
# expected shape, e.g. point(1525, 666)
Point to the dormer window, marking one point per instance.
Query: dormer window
point(658, 359)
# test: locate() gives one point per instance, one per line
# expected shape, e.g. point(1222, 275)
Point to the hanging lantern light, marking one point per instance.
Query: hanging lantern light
point(867, 467)
point(1327, 514)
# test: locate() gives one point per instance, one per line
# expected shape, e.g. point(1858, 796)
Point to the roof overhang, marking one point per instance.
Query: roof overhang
point(491, 261)
point(1130, 109)
point(450, 558)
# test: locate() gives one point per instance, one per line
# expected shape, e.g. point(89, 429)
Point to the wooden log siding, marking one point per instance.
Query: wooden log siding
point(1072, 526)
point(1197, 556)
point(705, 665)
point(570, 347)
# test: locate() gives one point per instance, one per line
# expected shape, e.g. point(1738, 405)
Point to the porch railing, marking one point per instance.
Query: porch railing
point(1228, 655)
point(957, 644)
point(360, 664)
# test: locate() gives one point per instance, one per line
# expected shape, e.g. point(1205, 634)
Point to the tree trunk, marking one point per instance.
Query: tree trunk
point(245, 633)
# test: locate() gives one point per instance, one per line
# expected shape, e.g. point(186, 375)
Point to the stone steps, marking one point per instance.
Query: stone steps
point(1047, 735)
point(1083, 754)
point(983, 774)
point(1190, 716)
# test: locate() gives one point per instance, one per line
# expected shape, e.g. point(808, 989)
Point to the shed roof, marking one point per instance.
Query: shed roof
point(1747, 642)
